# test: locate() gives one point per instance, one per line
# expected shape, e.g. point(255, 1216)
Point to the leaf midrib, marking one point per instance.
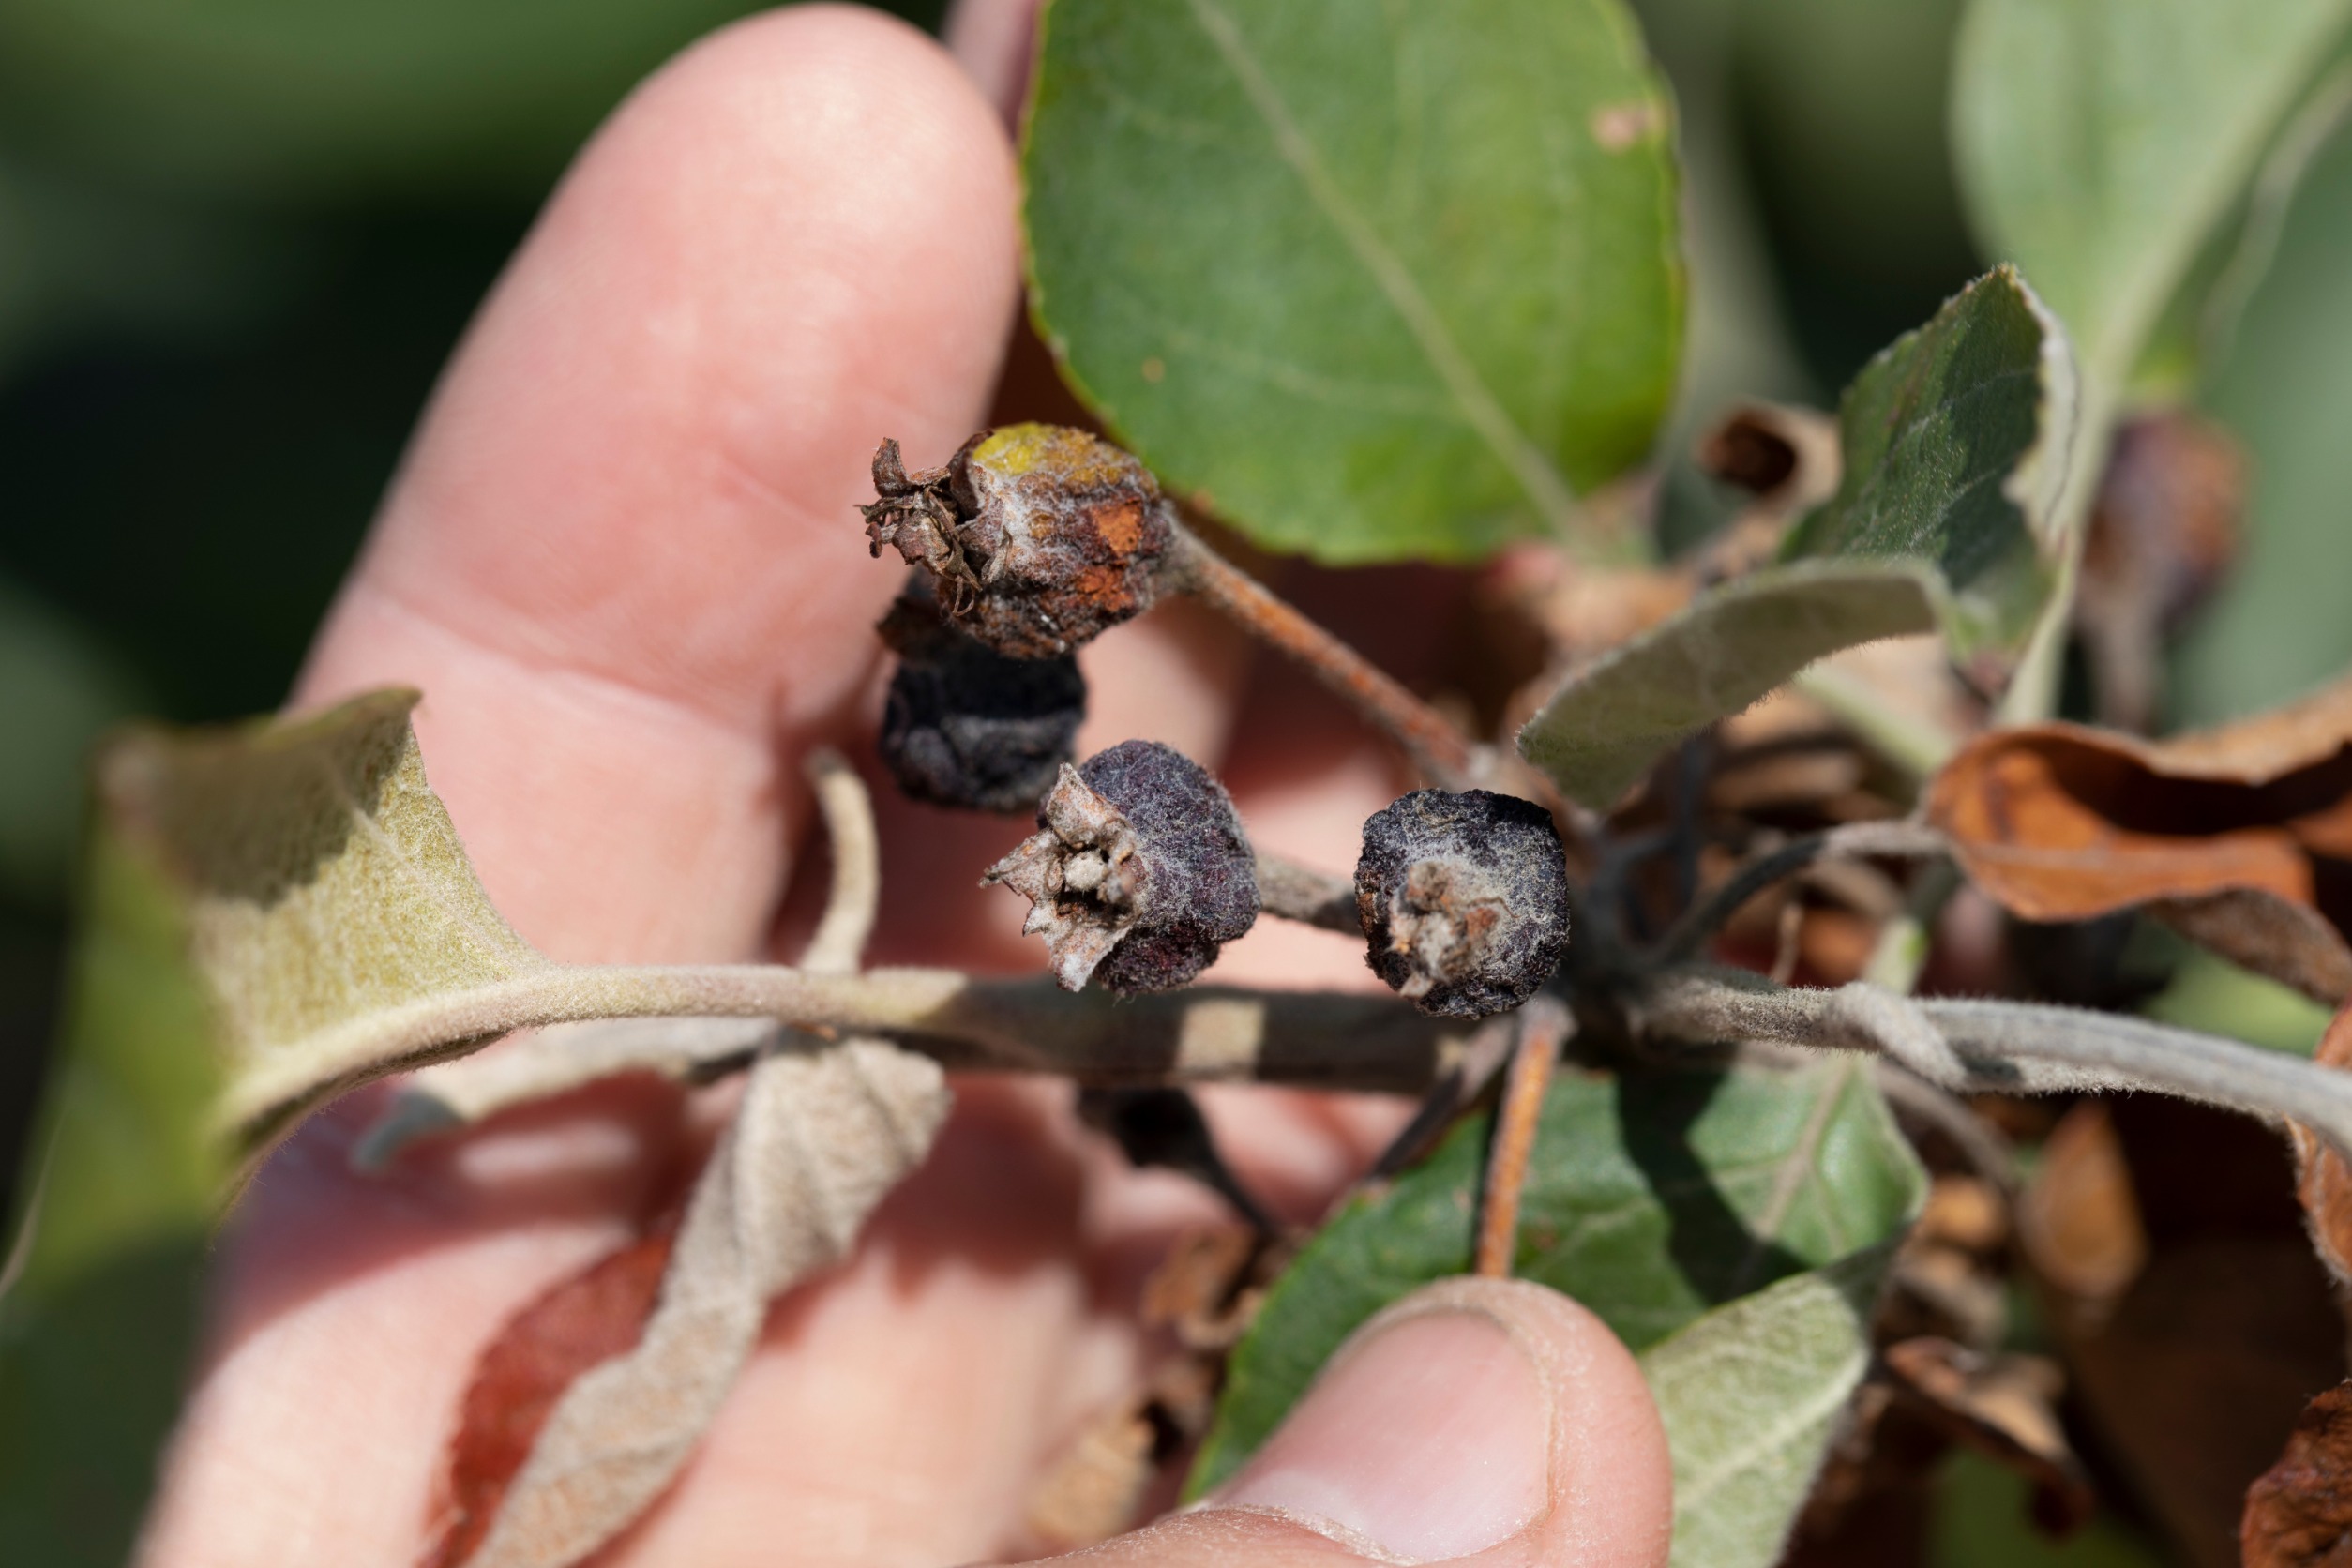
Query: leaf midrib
point(1479, 407)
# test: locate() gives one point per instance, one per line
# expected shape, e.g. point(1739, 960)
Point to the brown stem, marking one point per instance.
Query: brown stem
point(1436, 746)
point(1544, 1026)
point(1290, 891)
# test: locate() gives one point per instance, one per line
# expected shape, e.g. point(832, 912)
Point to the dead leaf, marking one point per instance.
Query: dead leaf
point(816, 1143)
point(2323, 1182)
point(2298, 1513)
point(2215, 829)
point(2192, 1377)
point(2004, 1407)
point(2163, 532)
point(2079, 1220)
point(589, 1319)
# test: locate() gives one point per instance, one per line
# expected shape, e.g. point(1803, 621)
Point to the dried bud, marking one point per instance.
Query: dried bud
point(966, 727)
point(1464, 901)
point(1140, 872)
point(1040, 536)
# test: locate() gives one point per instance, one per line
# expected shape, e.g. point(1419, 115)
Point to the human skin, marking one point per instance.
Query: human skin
point(621, 561)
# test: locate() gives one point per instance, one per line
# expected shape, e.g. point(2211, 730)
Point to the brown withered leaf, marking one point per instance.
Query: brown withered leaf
point(2079, 1221)
point(2322, 1180)
point(2224, 832)
point(2192, 1375)
point(2004, 1407)
point(2164, 531)
point(2299, 1512)
point(817, 1141)
point(578, 1323)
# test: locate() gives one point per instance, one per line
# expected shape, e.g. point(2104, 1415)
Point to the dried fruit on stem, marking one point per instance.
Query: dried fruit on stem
point(1139, 871)
point(1039, 536)
point(1464, 899)
point(965, 726)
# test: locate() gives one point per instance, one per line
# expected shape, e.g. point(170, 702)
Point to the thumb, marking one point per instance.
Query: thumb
point(1483, 1419)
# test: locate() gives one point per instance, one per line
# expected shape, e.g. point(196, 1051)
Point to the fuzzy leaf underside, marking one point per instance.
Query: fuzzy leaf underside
point(2102, 143)
point(1652, 1199)
point(1954, 442)
point(1369, 291)
point(1751, 1395)
point(247, 890)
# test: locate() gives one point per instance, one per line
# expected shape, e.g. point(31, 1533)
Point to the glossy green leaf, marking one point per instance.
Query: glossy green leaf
point(2101, 143)
point(1371, 287)
point(1751, 1395)
point(1651, 1199)
point(1954, 445)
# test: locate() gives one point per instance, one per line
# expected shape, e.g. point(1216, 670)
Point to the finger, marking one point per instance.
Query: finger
point(620, 559)
point(1489, 1420)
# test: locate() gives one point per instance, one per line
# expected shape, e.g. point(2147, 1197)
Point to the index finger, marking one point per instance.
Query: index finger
point(620, 559)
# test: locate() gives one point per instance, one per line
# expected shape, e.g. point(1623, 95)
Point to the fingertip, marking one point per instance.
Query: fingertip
point(1477, 1417)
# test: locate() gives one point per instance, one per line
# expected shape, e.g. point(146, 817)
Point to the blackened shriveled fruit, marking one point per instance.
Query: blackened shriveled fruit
point(1140, 872)
point(964, 726)
point(1039, 535)
point(1464, 899)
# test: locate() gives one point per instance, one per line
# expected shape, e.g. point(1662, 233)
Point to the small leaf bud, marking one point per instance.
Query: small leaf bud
point(1039, 536)
point(1138, 873)
point(1464, 901)
point(966, 727)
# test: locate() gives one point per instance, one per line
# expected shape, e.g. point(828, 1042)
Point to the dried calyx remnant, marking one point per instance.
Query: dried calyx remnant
point(1138, 873)
point(966, 727)
point(1038, 536)
point(1464, 899)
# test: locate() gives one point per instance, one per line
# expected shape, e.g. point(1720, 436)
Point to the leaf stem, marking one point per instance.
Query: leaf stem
point(1290, 891)
point(1544, 1026)
point(2014, 1048)
point(1907, 838)
point(1332, 1040)
point(1434, 745)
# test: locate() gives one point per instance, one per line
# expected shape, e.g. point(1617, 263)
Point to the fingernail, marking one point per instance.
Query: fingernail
point(1426, 1439)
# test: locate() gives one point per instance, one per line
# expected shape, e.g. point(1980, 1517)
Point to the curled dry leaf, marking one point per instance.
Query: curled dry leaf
point(2079, 1221)
point(2164, 531)
point(2298, 1513)
point(580, 1323)
point(2226, 833)
point(816, 1143)
point(2005, 1406)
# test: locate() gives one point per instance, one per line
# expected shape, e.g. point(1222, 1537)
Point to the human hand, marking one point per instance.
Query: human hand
point(621, 562)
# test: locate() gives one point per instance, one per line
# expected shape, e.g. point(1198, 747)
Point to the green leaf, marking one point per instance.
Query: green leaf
point(1751, 1395)
point(97, 1320)
point(1651, 1199)
point(1370, 289)
point(2101, 143)
point(1954, 444)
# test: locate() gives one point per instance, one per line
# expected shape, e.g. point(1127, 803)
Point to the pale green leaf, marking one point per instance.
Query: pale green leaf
point(1371, 285)
point(2101, 143)
point(1751, 1395)
point(1954, 444)
point(1651, 1199)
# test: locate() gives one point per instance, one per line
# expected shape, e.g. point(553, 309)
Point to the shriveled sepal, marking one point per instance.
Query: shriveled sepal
point(1083, 875)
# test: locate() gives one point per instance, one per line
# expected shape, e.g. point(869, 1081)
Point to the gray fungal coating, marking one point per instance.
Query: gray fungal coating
point(1138, 872)
point(1200, 875)
point(1464, 901)
point(966, 727)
